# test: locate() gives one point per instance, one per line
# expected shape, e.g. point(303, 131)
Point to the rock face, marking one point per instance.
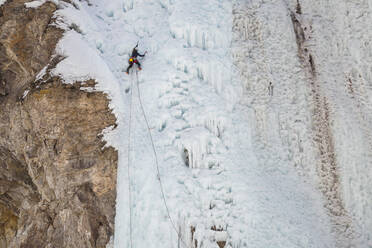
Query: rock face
point(57, 178)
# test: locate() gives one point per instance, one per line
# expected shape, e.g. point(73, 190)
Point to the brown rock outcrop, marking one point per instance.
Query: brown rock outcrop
point(57, 178)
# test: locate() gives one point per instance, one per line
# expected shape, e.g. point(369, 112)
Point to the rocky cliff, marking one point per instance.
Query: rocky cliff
point(57, 177)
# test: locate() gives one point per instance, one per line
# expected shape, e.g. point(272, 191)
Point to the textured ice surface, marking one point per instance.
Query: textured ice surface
point(236, 164)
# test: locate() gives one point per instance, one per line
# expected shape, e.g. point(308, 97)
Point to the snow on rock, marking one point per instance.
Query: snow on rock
point(42, 73)
point(35, 4)
point(25, 94)
point(82, 62)
point(76, 18)
point(38, 3)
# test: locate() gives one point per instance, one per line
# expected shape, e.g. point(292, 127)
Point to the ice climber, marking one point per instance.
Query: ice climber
point(133, 58)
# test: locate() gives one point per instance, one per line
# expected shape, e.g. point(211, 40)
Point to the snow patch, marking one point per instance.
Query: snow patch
point(2, 2)
point(82, 62)
point(68, 17)
point(35, 4)
point(41, 74)
point(25, 94)
point(38, 3)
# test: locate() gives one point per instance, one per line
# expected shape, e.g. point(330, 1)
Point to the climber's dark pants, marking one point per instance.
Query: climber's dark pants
point(131, 64)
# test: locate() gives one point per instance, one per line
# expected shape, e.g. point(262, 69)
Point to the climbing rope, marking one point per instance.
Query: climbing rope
point(157, 165)
point(129, 181)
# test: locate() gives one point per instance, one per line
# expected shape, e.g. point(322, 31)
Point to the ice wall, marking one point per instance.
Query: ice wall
point(222, 154)
point(242, 164)
point(339, 41)
point(317, 56)
point(264, 49)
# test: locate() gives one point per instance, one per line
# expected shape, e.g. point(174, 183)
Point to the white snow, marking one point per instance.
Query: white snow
point(251, 178)
point(77, 67)
point(25, 93)
point(38, 3)
point(35, 4)
point(41, 74)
